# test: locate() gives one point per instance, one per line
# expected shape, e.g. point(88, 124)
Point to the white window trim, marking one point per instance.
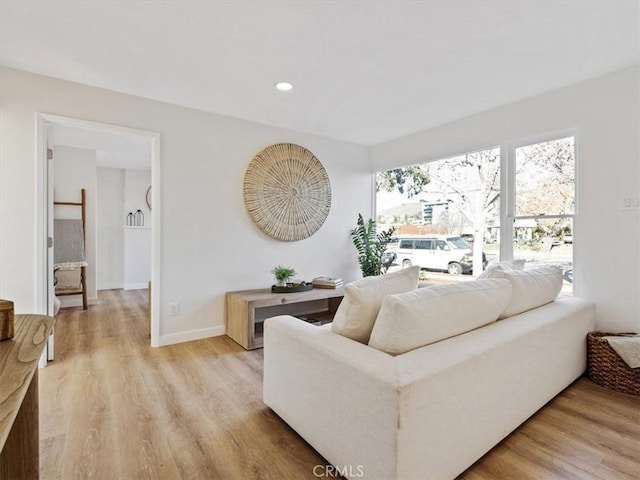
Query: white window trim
point(507, 194)
point(508, 198)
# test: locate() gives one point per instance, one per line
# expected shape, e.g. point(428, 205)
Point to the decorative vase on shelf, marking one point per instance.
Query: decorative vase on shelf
point(139, 218)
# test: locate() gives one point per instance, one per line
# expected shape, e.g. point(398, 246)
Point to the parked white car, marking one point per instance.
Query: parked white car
point(435, 252)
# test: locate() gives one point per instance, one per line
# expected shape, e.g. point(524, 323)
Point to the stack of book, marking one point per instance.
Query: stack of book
point(327, 282)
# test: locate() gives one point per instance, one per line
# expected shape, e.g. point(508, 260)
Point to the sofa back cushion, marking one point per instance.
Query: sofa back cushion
point(362, 300)
point(517, 264)
point(531, 288)
point(427, 315)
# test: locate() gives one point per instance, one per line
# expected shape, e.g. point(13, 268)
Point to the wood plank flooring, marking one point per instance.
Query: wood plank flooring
point(114, 408)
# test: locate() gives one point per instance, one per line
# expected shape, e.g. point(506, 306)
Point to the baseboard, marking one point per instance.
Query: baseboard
point(110, 286)
point(191, 335)
point(136, 286)
point(66, 302)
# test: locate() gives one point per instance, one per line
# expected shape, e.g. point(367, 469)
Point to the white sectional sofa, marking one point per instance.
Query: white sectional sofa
point(431, 412)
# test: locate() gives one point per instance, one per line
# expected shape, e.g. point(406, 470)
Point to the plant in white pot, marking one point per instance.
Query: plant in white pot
point(283, 275)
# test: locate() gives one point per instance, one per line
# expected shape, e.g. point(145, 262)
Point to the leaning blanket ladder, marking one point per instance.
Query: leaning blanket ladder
point(83, 277)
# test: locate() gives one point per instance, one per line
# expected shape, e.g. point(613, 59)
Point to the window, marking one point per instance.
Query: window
point(543, 205)
point(453, 196)
point(441, 245)
point(406, 244)
point(461, 196)
point(428, 214)
point(459, 243)
point(423, 244)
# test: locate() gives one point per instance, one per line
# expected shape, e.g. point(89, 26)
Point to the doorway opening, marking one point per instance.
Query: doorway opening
point(122, 164)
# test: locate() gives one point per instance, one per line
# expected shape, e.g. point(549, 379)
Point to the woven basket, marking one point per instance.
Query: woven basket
point(606, 368)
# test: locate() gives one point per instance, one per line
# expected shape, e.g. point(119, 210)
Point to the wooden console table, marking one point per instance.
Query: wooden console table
point(248, 309)
point(19, 438)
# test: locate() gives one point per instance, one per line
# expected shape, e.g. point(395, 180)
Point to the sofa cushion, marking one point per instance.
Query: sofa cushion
point(531, 288)
point(517, 264)
point(414, 319)
point(362, 300)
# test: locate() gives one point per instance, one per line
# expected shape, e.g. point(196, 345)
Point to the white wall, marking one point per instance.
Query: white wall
point(136, 183)
point(137, 257)
point(110, 260)
point(137, 239)
point(606, 113)
point(209, 244)
point(73, 170)
point(124, 254)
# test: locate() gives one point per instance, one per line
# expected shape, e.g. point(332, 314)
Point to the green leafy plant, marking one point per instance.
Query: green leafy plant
point(283, 274)
point(370, 246)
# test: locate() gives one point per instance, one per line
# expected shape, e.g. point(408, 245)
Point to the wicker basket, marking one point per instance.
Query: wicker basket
point(606, 368)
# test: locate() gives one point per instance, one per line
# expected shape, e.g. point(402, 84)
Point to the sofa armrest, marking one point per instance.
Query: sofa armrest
point(337, 347)
point(338, 394)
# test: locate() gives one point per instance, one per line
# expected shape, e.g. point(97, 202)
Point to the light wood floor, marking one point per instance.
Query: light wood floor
point(114, 408)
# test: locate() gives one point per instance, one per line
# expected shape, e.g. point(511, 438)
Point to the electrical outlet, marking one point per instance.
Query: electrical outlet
point(174, 308)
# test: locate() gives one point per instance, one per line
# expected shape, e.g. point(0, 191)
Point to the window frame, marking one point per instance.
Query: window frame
point(508, 197)
point(507, 217)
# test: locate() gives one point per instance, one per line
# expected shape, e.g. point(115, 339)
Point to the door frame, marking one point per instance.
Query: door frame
point(43, 283)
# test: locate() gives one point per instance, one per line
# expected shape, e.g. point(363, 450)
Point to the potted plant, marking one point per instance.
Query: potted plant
point(283, 275)
point(370, 246)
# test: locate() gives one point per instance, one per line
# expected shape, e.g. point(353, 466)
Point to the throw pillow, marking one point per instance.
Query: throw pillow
point(363, 298)
point(531, 288)
point(517, 264)
point(415, 319)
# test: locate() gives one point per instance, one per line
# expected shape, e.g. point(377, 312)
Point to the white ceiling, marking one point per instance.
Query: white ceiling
point(364, 71)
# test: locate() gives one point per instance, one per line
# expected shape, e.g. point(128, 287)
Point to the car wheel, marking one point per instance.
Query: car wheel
point(455, 268)
point(406, 263)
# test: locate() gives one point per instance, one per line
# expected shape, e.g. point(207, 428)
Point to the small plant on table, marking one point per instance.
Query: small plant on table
point(283, 275)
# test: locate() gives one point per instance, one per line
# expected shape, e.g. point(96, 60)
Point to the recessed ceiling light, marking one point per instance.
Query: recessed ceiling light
point(284, 86)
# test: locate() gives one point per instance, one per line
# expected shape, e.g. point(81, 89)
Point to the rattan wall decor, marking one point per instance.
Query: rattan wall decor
point(287, 192)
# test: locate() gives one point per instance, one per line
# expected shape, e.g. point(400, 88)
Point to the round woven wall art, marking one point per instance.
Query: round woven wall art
point(287, 192)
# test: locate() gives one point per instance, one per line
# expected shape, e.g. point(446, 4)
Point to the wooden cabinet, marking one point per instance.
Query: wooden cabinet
point(246, 310)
